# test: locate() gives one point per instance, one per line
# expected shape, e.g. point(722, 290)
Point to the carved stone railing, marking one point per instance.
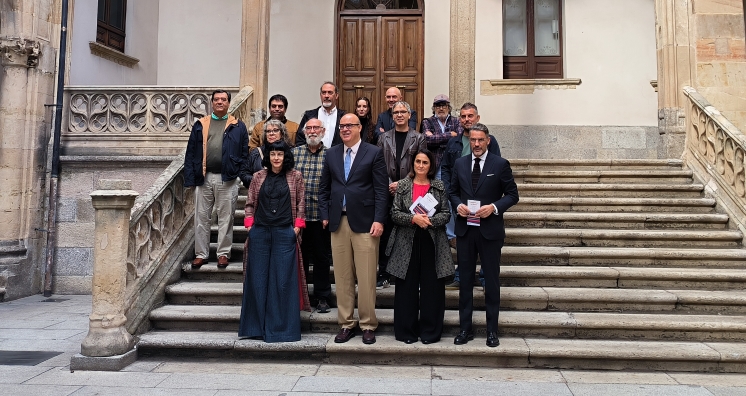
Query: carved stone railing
point(716, 152)
point(161, 236)
point(132, 120)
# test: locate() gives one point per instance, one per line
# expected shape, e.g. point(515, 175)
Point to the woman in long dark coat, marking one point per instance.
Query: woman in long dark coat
point(419, 254)
point(274, 285)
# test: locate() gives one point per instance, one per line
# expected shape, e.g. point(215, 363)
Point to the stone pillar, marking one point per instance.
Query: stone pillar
point(676, 68)
point(463, 40)
point(255, 54)
point(107, 335)
point(17, 56)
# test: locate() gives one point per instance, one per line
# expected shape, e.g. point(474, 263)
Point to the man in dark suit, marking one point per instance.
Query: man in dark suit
point(327, 113)
point(353, 197)
point(484, 182)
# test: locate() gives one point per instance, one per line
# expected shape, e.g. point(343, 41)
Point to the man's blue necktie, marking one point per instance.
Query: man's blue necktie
point(348, 164)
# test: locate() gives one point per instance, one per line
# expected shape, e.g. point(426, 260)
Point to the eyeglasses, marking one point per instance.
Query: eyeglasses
point(479, 140)
point(400, 112)
point(313, 128)
point(347, 126)
point(272, 131)
point(443, 105)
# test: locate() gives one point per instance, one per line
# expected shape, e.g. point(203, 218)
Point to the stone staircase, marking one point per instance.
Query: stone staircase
point(616, 264)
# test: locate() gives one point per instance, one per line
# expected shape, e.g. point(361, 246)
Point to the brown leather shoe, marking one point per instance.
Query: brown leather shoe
point(198, 262)
point(369, 337)
point(222, 261)
point(344, 335)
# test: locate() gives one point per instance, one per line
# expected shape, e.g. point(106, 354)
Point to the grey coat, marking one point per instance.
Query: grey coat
point(399, 247)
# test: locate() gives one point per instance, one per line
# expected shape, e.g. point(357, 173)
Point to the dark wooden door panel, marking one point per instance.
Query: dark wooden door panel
point(378, 52)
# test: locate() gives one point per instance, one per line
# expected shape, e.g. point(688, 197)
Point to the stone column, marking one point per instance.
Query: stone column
point(107, 335)
point(255, 54)
point(463, 41)
point(676, 68)
point(17, 56)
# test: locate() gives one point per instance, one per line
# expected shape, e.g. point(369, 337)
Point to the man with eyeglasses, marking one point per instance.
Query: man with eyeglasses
point(385, 120)
point(399, 145)
point(216, 155)
point(316, 243)
point(278, 106)
point(328, 113)
point(353, 198)
point(456, 148)
point(482, 188)
point(440, 128)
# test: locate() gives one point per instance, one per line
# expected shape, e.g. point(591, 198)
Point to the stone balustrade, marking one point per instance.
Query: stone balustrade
point(716, 152)
point(132, 120)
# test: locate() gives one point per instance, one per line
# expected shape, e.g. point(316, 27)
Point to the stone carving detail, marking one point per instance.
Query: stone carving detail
point(136, 110)
point(158, 224)
point(19, 52)
point(715, 140)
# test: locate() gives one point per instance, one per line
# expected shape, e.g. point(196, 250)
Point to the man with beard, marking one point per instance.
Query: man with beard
point(316, 244)
point(327, 113)
point(439, 129)
point(278, 106)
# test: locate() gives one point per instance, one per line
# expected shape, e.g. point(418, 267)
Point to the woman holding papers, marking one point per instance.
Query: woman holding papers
point(419, 252)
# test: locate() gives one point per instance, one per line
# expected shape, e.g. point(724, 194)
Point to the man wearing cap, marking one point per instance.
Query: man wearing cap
point(440, 128)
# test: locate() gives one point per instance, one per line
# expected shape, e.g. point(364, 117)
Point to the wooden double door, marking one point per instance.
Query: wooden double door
point(376, 52)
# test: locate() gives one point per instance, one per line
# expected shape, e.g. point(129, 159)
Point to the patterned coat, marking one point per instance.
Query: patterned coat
point(399, 247)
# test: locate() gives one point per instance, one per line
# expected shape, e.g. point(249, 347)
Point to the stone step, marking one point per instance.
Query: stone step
point(603, 176)
point(634, 220)
point(618, 190)
point(598, 256)
point(658, 205)
point(619, 220)
point(511, 323)
point(597, 237)
point(2, 294)
point(552, 276)
point(512, 352)
point(584, 299)
point(596, 164)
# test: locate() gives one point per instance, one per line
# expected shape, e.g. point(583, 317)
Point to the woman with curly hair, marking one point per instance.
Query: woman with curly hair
point(274, 283)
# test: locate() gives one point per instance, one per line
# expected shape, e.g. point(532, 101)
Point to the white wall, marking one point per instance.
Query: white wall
point(437, 51)
point(609, 44)
point(199, 42)
point(141, 42)
point(301, 51)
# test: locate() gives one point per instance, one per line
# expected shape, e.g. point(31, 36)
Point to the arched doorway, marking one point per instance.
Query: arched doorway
point(380, 44)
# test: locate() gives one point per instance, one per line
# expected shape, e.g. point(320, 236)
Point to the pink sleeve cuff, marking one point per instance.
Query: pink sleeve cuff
point(300, 223)
point(248, 222)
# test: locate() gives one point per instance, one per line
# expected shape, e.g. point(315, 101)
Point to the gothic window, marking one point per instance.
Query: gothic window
point(381, 5)
point(111, 21)
point(532, 39)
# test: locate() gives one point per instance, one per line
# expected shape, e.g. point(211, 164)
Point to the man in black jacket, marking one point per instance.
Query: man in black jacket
point(327, 113)
point(218, 147)
point(385, 120)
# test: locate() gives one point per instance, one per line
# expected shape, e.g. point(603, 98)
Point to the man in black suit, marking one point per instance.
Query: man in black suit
point(327, 113)
point(353, 198)
point(484, 182)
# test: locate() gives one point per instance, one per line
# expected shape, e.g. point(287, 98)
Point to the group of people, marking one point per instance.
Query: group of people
point(379, 200)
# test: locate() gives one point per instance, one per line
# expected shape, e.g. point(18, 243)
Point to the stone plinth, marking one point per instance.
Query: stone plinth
point(107, 335)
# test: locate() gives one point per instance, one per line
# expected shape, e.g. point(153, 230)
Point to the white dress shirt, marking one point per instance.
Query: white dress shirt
point(481, 168)
point(330, 124)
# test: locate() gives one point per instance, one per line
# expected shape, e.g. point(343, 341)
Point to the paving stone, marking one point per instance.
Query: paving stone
point(38, 334)
point(27, 324)
point(497, 374)
point(228, 381)
point(487, 388)
point(239, 367)
point(36, 390)
point(63, 376)
point(616, 377)
point(130, 391)
point(19, 374)
point(637, 390)
point(390, 386)
point(704, 379)
point(725, 391)
point(274, 393)
point(365, 371)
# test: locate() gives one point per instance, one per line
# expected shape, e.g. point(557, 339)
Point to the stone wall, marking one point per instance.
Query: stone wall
point(75, 222)
point(721, 56)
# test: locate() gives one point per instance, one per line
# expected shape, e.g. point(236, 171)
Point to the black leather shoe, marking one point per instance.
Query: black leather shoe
point(463, 337)
point(344, 335)
point(492, 340)
point(323, 306)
